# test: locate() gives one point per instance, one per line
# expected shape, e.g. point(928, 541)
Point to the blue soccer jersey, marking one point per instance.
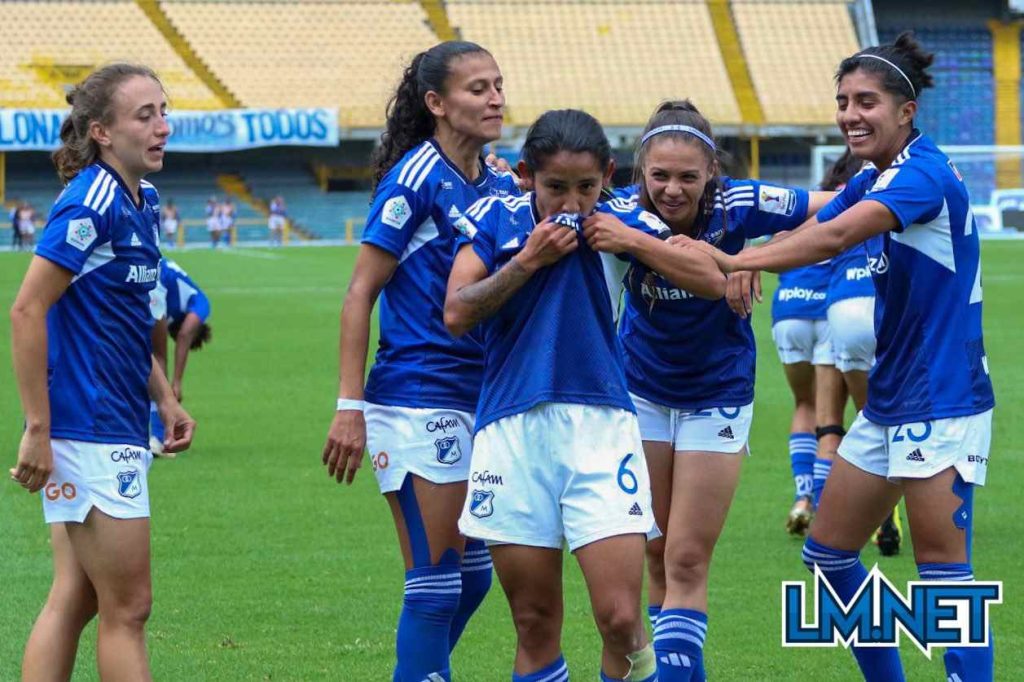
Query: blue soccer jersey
point(183, 295)
point(418, 362)
point(930, 359)
point(687, 352)
point(850, 275)
point(99, 331)
point(802, 293)
point(554, 339)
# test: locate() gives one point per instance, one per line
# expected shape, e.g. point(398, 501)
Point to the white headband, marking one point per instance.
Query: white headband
point(898, 70)
point(679, 129)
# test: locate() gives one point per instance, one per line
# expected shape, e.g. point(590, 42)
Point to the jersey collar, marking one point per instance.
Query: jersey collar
point(124, 186)
point(455, 169)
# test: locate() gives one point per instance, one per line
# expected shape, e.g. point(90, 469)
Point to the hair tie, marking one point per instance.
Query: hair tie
point(898, 70)
point(679, 129)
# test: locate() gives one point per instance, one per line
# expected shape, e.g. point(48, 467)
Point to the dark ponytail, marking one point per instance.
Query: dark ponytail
point(568, 130)
point(680, 112)
point(906, 54)
point(840, 172)
point(409, 122)
point(91, 100)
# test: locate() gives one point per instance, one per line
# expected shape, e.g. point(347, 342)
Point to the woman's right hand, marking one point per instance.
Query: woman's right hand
point(35, 461)
point(346, 442)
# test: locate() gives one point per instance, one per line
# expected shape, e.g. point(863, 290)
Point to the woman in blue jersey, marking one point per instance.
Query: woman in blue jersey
point(181, 310)
point(690, 367)
point(80, 329)
point(557, 453)
point(925, 430)
point(801, 334)
point(415, 411)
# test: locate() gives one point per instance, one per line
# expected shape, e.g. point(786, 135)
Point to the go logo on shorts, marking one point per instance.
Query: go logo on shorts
point(379, 461)
point(54, 492)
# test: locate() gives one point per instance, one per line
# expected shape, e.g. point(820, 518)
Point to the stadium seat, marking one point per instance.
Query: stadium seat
point(648, 52)
point(340, 54)
point(50, 45)
point(792, 51)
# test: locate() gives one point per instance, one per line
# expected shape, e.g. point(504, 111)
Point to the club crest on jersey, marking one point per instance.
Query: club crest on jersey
point(481, 505)
point(128, 483)
point(448, 450)
point(465, 227)
point(396, 212)
point(81, 233)
point(776, 200)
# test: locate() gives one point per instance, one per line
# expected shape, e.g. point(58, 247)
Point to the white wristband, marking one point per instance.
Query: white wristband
point(346, 404)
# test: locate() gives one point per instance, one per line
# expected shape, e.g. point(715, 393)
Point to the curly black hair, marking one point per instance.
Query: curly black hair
point(409, 122)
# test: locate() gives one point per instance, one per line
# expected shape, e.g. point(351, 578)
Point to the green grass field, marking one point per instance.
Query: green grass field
point(265, 569)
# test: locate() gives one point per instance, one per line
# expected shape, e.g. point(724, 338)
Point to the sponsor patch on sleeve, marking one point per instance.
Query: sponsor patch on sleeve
point(396, 212)
point(465, 227)
point(652, 221)
point(884, 179)
point(81, 233)
point(776, 200)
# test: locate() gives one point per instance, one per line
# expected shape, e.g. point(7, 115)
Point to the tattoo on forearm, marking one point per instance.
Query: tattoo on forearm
point(487, 296)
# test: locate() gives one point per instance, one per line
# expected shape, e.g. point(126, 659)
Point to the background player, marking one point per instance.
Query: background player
point(557, 450)
point(417, 417)
point(925, 430)
point(181, 310)
point(81, 345)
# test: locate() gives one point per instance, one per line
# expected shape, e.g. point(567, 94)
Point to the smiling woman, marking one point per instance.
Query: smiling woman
point(80, 329)
point(925, 430)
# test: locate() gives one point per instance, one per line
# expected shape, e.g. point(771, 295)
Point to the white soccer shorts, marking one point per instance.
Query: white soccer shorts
point(110, 477)
point(715, 429)
point(558, 471)
point(921, 449)
point(853, 333)
point(434, 444)
point(799, 340)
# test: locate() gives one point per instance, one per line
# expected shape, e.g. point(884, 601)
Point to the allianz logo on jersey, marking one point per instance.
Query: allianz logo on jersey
point(800, 294)
point(651, 292)
point(141, 274)
point(933, 614)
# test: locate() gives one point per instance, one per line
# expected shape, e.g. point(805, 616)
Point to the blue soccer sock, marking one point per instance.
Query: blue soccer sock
point(822, 467)
point(802, 450)
point(476, 581)
point(555, 672)
point(679, 645)
point(653, 611)
point(966, 664)
point(845, 573)
point(431, 599)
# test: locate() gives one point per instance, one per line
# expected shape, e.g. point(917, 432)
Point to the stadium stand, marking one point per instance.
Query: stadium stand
point(792, 50)
point(277, 54)
point(648, 52)
point(47, 46)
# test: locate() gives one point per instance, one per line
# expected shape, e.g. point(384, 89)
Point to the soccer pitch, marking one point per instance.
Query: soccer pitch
point(266, 569)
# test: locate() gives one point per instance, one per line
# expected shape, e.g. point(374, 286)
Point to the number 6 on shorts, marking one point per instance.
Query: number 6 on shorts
point(626, 478)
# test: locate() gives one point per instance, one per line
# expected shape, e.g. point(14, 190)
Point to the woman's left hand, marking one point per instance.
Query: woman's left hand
point(604, 232)
point(178, 426)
